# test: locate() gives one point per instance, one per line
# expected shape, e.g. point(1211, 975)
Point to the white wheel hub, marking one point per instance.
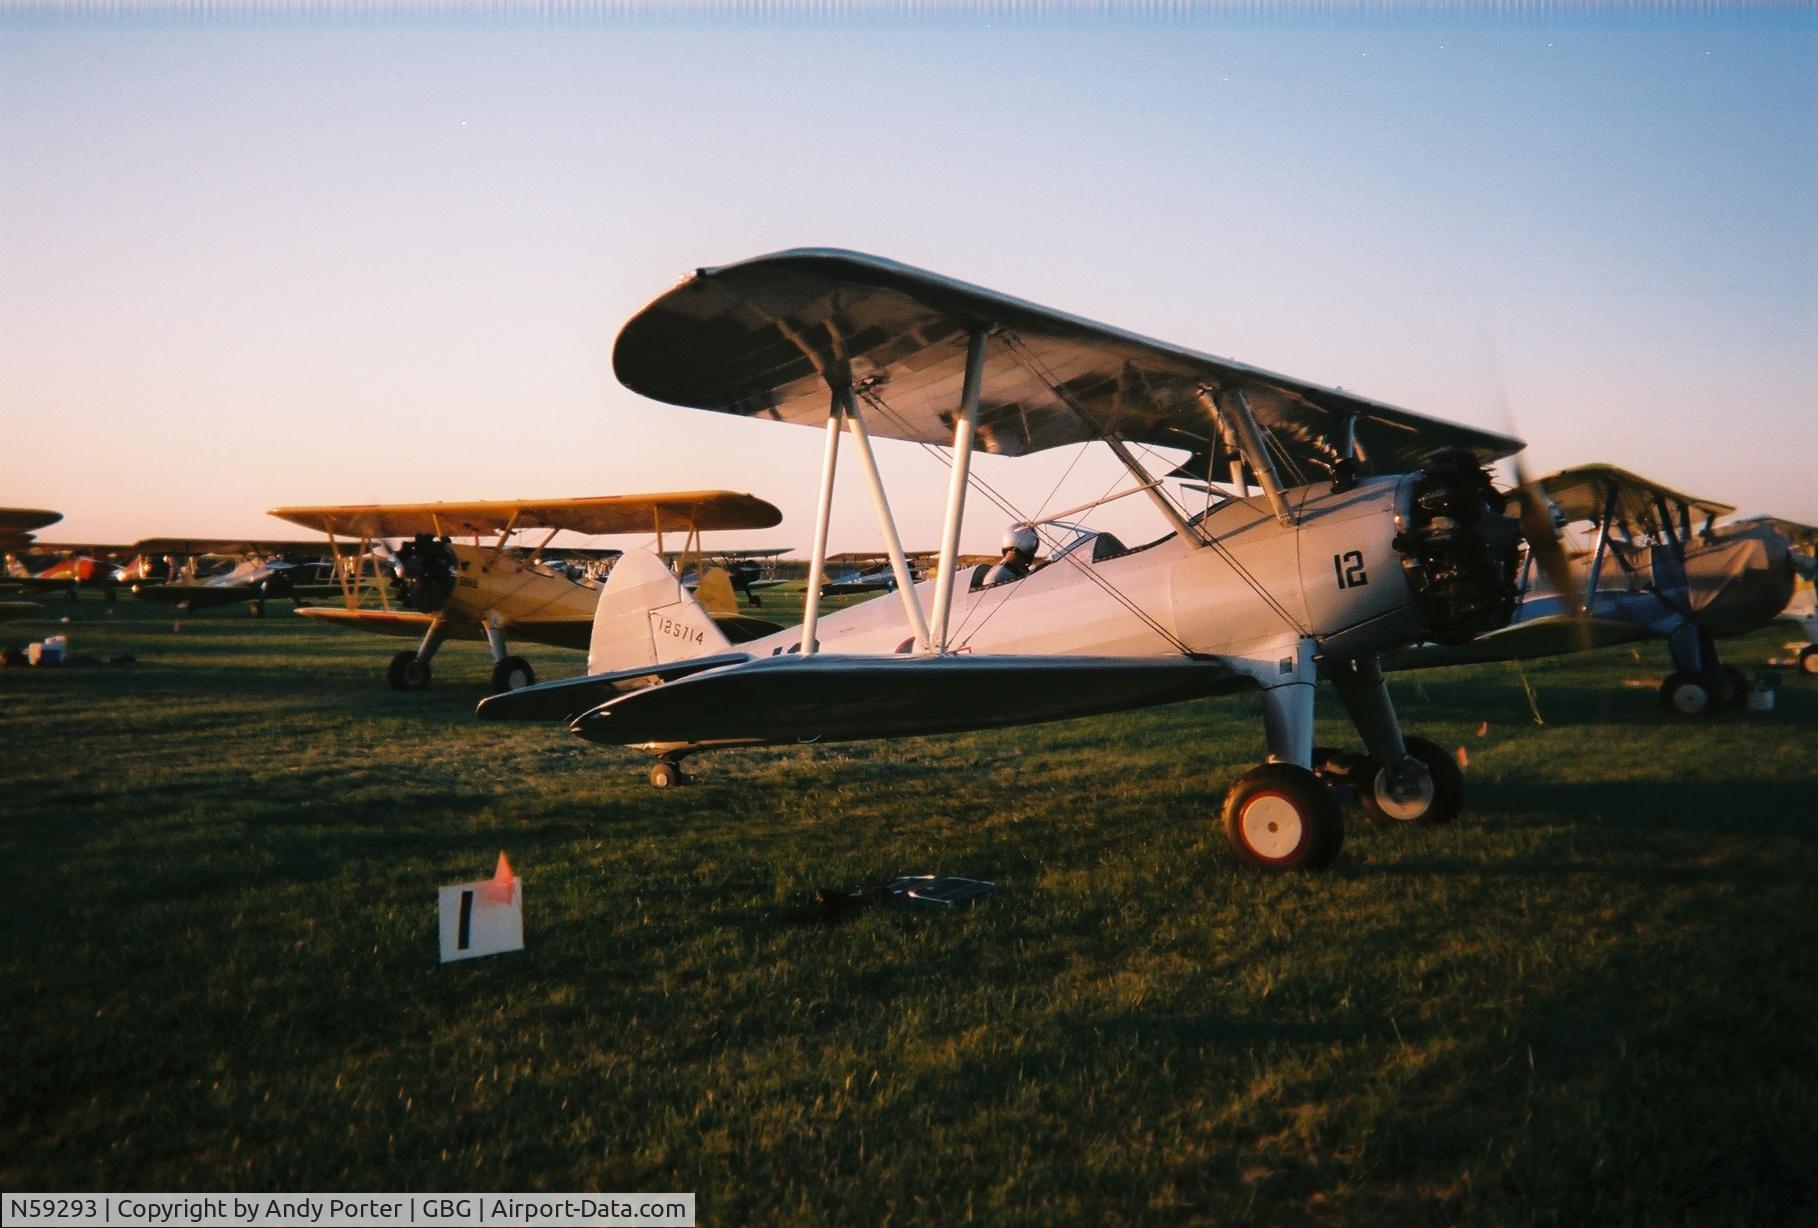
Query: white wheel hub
point(1272, 826)
point(1413, 803)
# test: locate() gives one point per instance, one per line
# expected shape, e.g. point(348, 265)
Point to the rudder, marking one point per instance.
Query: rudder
point(646, 617)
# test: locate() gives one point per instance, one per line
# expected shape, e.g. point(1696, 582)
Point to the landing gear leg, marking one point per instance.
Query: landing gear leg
point(509, 673)
point(1280, 816)
point(1404, 780)
point(409, 671)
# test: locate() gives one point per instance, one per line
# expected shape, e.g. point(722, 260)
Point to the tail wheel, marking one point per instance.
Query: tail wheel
point(1690, 693)
point(512, 674)
point(1280, 817)
point(1436, 798)
point(257, 608)
point(406, 673)
point(1808, 660)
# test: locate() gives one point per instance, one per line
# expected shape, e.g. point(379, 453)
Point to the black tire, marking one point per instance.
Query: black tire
point(406, 673)
point(1280, 817)
point(512, 674)
point(1442, 803)
point(1690, 693)
point(1736, 686)
point(665, 774)
point(1808, 660)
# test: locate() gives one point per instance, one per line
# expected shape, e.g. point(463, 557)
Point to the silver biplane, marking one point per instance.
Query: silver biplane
point(1353, 527)
point(1658, 567)
point(1802, 609)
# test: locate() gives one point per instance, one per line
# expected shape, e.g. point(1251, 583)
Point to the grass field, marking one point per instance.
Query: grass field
point(1591, 1001)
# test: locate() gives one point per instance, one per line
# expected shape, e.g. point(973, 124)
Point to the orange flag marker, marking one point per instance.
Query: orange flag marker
point(500, 888)
point(1464, 760)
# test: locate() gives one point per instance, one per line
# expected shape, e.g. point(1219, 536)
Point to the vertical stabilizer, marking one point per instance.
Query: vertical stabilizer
point(646, 617)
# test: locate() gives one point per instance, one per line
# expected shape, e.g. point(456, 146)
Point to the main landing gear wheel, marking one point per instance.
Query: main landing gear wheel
point(1437, 797)
point(406, 673)
point(1281, 817)
point(1808, 660)
point(1690, 693)
point(512, 674)
point(667, 774)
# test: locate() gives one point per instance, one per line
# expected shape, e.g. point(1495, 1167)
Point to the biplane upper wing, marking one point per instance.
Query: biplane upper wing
point(18, 523)
point(678, 511)
point(1584, 491)
point(769, 337)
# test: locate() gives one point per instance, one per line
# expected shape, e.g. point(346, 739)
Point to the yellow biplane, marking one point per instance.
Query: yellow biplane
point(457, 573)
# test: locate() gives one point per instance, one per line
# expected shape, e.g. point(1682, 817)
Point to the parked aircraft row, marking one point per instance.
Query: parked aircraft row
point(1312, 535)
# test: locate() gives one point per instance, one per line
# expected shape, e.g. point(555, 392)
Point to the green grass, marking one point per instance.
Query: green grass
point(1591, 1001)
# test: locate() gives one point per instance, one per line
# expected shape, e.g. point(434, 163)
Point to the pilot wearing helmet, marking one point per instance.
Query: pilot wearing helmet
point(1020, 545)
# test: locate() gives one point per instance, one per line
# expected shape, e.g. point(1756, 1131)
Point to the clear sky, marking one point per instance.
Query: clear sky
point(247, 262)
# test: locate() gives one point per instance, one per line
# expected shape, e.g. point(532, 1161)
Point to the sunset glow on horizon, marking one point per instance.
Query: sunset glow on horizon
point(246, 264)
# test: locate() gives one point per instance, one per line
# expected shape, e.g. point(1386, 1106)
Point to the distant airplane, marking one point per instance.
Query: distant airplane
point(748, 571)
point(1802, 609)
point(486, 590)
point(194, 573)
point(1659, 568)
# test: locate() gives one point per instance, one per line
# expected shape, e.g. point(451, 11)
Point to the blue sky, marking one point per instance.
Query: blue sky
point(246, 263)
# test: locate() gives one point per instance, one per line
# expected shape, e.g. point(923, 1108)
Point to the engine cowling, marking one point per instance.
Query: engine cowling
point(423, 572)
point(1459, 550)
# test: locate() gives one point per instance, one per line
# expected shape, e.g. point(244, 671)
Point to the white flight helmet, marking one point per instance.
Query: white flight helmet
point(1022, 539)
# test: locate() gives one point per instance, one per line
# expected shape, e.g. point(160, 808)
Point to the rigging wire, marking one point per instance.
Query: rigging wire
point(1021, 349)
point(1009, 509)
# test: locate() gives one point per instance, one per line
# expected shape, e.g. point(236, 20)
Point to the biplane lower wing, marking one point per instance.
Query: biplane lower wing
point(407, 624)
point(562, 633)
point(567, 698)
point(558, 632)
point(1550, 636)
point(195, 596)
point(830, 697)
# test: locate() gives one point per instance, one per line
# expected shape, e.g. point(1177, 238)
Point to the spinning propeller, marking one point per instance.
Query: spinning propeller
point(422, 571)
point(1541, 530)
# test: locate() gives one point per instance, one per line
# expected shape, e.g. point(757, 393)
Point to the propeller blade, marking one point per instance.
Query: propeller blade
point(1547, 548)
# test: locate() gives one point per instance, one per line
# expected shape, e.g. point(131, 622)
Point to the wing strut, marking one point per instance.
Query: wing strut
point(893, 544)
point(817, 556)
point(1602, 547)
point(1233, 407)
point(963, 427)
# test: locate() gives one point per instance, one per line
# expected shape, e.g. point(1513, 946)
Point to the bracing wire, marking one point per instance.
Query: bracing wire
point(1104, 433)
point(1009, 509)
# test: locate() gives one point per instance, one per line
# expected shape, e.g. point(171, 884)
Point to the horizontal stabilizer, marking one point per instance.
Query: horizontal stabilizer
point(830, 697)
point(566, 698)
